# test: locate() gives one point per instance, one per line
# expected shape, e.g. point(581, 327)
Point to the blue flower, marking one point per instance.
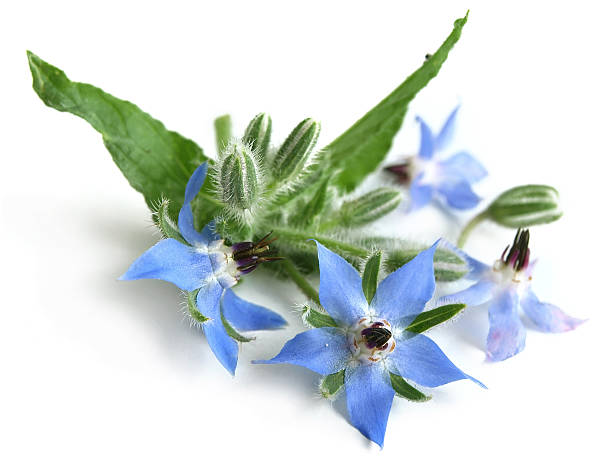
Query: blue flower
point(506, 286)
point(448, 180)
point(370, 340)
point(206, 265)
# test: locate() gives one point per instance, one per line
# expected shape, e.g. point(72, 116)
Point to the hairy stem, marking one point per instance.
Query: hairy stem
point(307, 289)
point(331, 243)
point(470, 226)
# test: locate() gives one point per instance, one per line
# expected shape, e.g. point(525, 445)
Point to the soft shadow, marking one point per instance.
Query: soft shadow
point(473, 326)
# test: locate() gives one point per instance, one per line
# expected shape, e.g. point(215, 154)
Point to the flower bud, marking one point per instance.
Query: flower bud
point(257, 134)
point(238, 177)
point(526, 205)
point(295, 152)
point(369, 207)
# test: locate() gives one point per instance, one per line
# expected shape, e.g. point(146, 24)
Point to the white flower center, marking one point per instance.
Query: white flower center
point(223, 265)
point(503, 274)
point(371, 340)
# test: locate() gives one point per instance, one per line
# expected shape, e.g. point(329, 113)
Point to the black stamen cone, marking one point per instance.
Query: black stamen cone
point(376, 336)
point(249, 255)
point(518, 255)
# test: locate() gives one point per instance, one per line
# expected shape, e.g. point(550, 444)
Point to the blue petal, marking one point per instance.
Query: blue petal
point(506, 332)
point(340, 288)
point(420, 195)
point(426, 149)
point(224, 347)
point(463, 166)
point(419, 359)
point(323, 350)
point(477, 268)
point(171, 261)
point(245, 316)
point(405, 291)
point(185, 221)
point(459, 194)
point(547, 317)
point(479, 293)
point(447, 131)
point(368, 399)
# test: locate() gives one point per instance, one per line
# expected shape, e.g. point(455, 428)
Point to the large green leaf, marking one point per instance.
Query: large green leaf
point(157, 162)
point(359, 150)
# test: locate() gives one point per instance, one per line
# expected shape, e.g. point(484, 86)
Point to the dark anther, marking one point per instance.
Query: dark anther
point(518, 256)
point(376, 336)
point(248, 255)
point(427, 56)
point(401, 173)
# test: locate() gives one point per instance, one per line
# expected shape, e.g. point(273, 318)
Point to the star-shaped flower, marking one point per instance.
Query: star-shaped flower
point(505, 286)
point(429, 176)
point(370, 342)
point(202, 264)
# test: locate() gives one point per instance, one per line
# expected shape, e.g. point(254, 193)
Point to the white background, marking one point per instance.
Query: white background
point(92, 367)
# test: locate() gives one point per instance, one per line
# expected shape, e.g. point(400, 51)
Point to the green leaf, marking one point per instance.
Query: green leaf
point(167, 226)
point(359, 150)
point(192, 307)
point(526, 205)
point(156, 162)
point(369, 281)
point(331, 384)
point(223, 132)
point(307, 213)
point(316, 319)
point(428, 319)
point(233, 333)
point(405, 390)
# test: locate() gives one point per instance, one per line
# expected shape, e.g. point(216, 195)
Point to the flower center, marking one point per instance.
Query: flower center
point(514, 262)
point(371, 340)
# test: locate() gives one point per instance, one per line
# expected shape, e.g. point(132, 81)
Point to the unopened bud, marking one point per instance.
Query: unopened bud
point(257, 134)
point(294, 153)
point(238, 176)
point(369, 207)
point(526, 205)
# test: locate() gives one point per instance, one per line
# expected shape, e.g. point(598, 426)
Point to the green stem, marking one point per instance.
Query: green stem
point(470, 226)
point(223, 131)
point(307, 289)
point(332, 244)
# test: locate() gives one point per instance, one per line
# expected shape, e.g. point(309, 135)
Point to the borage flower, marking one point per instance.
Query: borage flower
point(507, 285)
point(448, 180)
point(370, 342)
point(203, 265)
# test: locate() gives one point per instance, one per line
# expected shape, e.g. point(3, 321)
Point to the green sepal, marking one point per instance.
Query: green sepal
point(316, 319)
point(331, 384)
point(367, 208)
point(238, 177)
point(231, 331)
point(167, 226)
point(448, 266)
point(371, 270)
point(294, 154)
point(257, 134)
point(360, 149)
point(428, 319)
point(405, 390)
point(525, 206)
point(192, 307)
point(156, 162)
point(223, 131)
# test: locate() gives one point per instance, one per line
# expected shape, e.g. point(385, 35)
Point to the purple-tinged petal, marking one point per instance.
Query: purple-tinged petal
point(224, 347)
point(419, 359)
point(369, 396)
point(477, 268)
point(458, 194)
point(479, 293)
point(420, 195)
point(340, 288)
point(246, 316)
point(462, 166)
point(171, 261)
point(405, 291)
point(426, 150)
point(545, 316)
point(447, 131)
point(506, 331)
point(185, 220)
point(323, 350)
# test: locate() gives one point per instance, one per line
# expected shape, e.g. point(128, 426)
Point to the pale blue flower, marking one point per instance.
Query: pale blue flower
point(431, 177)
point(370, 340)
point(204, 263)
point(506, 287)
